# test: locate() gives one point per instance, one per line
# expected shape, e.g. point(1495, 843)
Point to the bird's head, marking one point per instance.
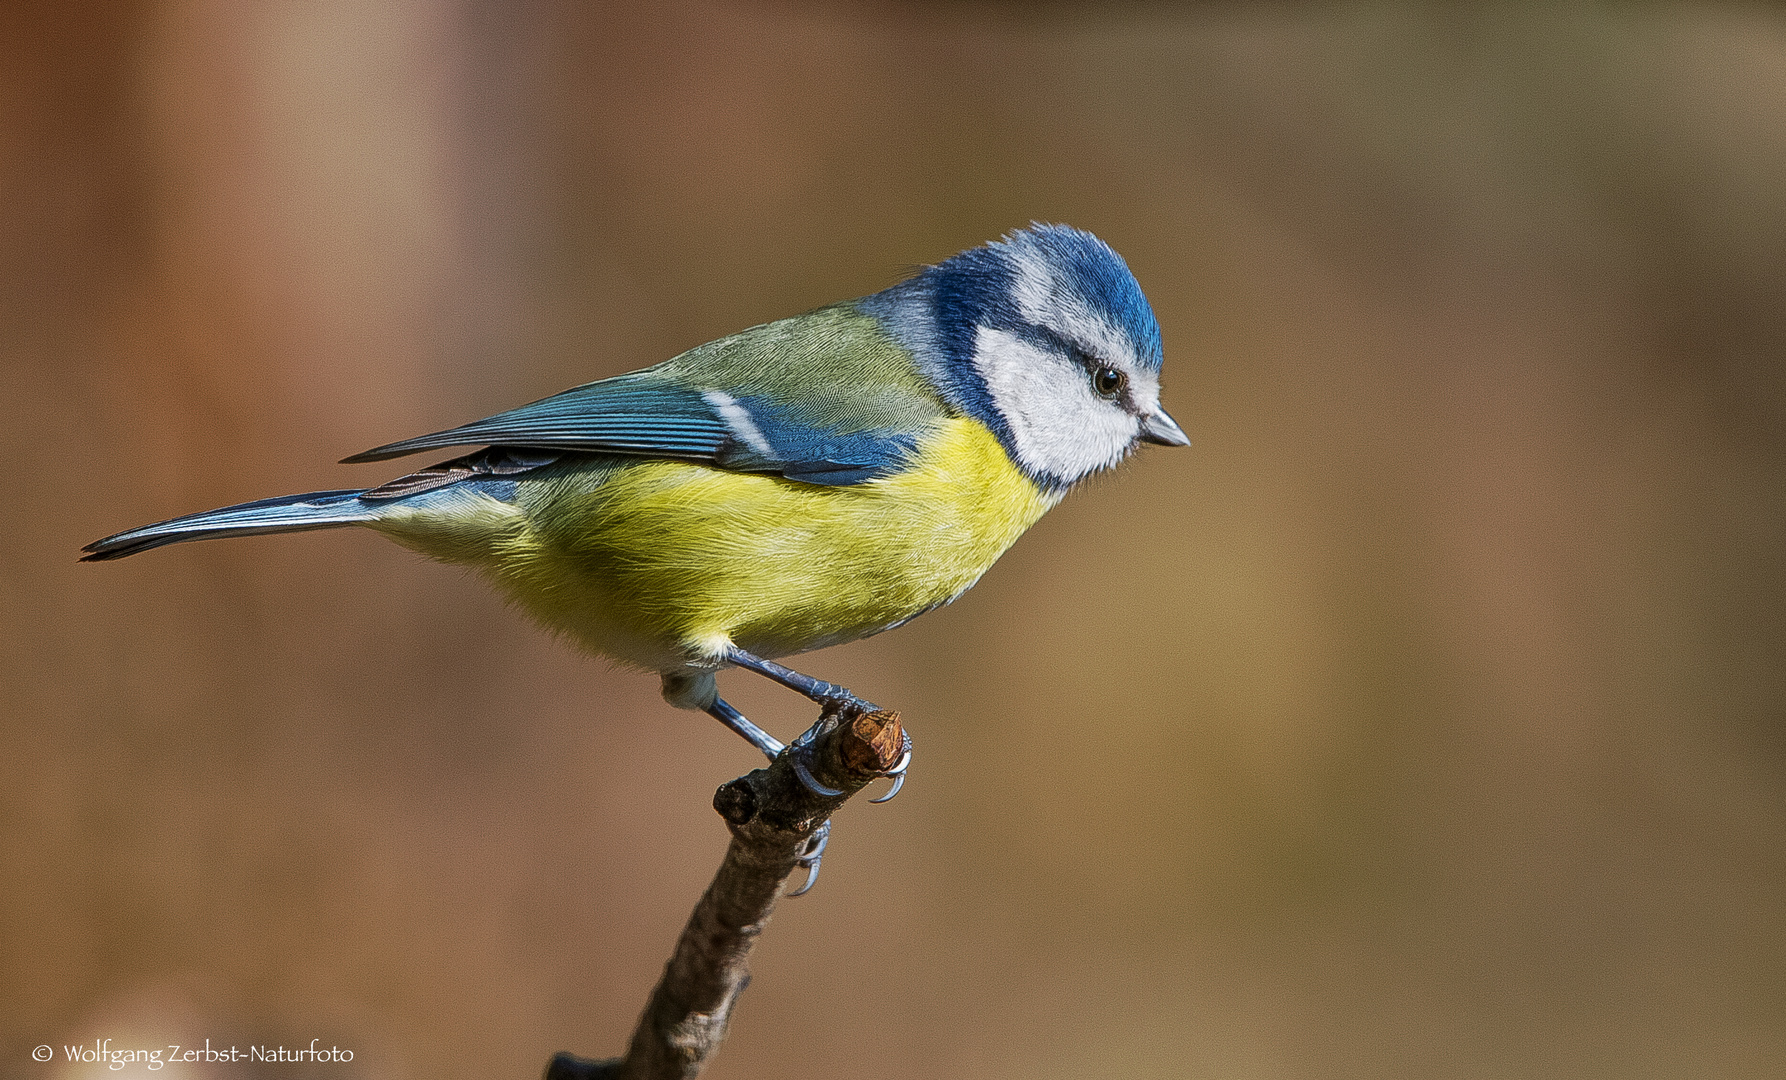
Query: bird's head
point(1046, 338)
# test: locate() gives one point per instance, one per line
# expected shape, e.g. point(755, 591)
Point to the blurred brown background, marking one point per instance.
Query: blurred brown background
point(1423, 720)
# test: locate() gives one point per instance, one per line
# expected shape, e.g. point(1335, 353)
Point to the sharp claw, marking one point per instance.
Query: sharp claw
point(812, 785)
point(812, 877)
point(897, 772)
point(898, 782)
point(815, 853)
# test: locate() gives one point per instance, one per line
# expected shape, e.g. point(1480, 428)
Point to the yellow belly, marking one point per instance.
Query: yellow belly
point(661, 564)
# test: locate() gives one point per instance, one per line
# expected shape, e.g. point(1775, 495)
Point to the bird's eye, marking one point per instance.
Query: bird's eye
point(1108, 381)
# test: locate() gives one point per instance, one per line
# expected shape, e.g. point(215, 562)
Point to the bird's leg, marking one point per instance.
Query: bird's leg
point(833, 698)
point(827, 694)
point(754, 735)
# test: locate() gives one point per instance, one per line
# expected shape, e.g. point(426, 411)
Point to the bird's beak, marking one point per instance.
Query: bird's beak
point(1157, 427)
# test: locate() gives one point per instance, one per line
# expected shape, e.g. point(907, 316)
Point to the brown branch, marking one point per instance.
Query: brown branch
point(773, 818)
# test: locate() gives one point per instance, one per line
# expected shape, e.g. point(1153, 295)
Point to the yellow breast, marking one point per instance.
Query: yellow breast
point(658, 563)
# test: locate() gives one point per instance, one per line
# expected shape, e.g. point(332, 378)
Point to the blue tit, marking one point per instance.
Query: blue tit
point(799, 484)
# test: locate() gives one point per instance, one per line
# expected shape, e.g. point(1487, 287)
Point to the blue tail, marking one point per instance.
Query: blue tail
point(289, 513)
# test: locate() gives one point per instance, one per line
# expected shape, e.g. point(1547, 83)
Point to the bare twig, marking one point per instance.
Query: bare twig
point(774, 819)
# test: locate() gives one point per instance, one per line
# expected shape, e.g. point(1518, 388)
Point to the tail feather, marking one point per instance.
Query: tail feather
point(288, 513)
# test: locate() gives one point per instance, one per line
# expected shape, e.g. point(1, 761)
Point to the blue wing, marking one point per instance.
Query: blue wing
point(631, 414)
point(803, 401)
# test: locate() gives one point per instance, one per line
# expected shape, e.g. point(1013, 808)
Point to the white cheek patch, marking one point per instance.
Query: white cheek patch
point(1059, 427)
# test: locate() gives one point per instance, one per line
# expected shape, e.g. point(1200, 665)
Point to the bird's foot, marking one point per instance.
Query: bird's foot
point(800, 752)
point(811, 855)
point(800, 756)
point(839, 705)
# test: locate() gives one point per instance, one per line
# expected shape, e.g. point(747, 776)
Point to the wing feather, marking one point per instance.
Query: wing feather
point(824, 398)
point(623, 415)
